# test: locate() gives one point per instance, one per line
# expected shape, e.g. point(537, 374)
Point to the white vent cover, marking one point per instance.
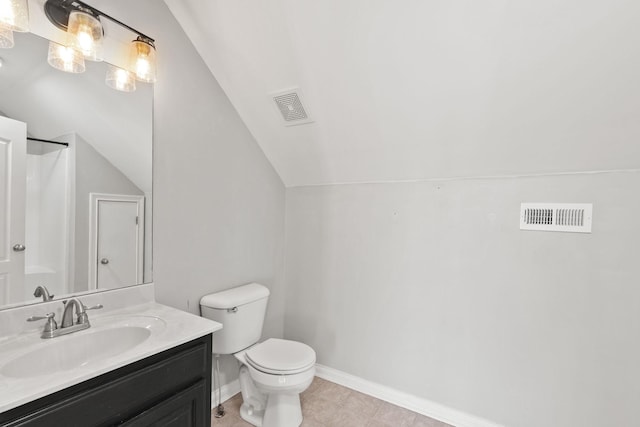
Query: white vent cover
point(568, 217)
point(291, 108)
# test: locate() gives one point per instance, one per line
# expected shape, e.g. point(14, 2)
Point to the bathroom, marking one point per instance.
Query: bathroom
point(387, 229)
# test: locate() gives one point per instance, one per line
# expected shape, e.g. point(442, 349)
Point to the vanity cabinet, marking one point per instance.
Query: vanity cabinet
point(170, 389)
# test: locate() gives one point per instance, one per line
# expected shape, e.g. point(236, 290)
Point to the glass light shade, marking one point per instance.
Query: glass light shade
point(14, 15)
point(85, 34)
point(120, 79)
point(143, 60)
point(6, 38)
point(65, 58)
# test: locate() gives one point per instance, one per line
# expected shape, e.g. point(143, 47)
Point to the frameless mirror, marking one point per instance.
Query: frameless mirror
point(87, 204)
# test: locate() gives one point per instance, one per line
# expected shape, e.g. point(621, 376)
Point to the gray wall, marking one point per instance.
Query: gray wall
point(218, 203)
point(427, 287)
point(432, 289)
point(94, 174)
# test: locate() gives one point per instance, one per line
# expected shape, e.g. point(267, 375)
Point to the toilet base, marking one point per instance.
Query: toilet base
point(283, 410)
point(253, 401)
point(268, 409)
point(250, 415)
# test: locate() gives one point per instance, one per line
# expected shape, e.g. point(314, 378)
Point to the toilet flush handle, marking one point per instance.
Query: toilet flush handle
point(232, 310)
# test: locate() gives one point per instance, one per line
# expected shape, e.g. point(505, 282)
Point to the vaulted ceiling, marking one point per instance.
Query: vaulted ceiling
point(419, 89)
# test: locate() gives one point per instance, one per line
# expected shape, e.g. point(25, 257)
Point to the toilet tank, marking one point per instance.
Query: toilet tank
point(241, 311)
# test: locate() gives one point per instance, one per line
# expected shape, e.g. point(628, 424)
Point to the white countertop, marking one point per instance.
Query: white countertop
point(179, 327)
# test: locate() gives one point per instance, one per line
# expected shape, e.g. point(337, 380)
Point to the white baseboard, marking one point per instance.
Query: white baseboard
point(227, 391)
point(413, 403)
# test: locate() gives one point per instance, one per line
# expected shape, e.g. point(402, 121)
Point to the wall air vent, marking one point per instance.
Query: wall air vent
point(567, 217)
point(291, 108)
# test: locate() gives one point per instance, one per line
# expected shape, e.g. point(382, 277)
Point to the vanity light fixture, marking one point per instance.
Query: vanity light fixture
point(14, 15)
point(82, 23)
point(120, 79)
point(65, 58)
point(6, 38)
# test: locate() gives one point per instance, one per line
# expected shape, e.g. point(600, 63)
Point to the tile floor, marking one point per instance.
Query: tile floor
point(326, 404)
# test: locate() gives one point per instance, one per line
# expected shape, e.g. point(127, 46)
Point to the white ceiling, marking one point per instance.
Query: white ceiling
point(418, 89)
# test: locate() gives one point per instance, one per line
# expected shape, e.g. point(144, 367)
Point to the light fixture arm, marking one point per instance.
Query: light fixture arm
point(58, 11)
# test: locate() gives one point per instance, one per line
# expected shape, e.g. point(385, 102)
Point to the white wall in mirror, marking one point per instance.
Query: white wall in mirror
point(110, 152)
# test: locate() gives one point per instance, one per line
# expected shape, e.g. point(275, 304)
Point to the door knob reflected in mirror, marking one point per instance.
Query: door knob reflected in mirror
point(19, 247)
point(104, 261)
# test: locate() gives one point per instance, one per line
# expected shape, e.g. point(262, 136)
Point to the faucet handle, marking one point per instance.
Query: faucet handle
point(82, 317)
point(51, 322)
point(46, 316)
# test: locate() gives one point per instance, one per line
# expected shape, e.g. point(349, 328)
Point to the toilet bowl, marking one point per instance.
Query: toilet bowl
point(272, 376)
point(272, 373)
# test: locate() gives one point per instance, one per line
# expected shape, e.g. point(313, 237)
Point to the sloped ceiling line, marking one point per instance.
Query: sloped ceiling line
point(429, 89)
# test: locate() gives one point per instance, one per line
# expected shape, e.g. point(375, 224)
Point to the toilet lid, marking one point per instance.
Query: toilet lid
point(276, 356)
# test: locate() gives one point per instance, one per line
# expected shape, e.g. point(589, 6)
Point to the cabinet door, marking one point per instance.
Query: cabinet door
point(185, 409)
point(13, 178)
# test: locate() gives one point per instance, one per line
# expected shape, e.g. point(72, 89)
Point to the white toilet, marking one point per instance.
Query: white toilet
point(272, 373)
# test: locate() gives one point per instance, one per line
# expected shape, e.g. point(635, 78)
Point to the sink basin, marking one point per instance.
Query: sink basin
point(32, 368)
point(80, 349)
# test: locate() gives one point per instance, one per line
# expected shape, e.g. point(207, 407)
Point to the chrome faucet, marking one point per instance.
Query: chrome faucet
point(67, 314)
point(81, 313)
point(67, 326)
point(42, 291)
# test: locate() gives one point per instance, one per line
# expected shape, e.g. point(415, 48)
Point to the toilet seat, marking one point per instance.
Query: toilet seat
point(281, 357)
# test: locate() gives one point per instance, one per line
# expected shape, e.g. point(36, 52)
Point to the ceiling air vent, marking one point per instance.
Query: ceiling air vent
point(291, 108)
point(567, 217)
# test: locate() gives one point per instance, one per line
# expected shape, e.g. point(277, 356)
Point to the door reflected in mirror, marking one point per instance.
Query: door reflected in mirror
point(75, 178)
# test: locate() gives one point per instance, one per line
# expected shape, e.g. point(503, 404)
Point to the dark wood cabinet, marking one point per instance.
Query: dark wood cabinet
point(172, 388)
point(182, 410)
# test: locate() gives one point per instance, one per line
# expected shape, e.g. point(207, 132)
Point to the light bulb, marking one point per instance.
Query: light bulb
point(85, 42)
point(65, 58)
point(142, 67)
point(14, 15)
point(120, 79)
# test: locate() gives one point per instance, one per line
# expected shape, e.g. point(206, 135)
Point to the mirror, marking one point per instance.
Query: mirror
point(87, 215)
